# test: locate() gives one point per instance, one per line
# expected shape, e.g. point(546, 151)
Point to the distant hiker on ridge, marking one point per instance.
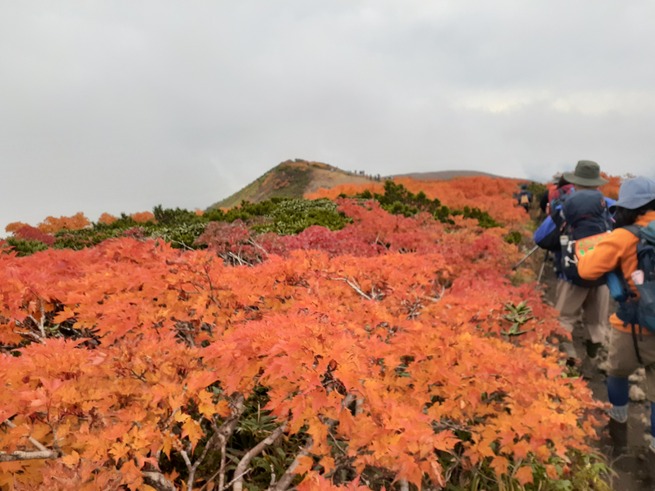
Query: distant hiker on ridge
point(524, 197)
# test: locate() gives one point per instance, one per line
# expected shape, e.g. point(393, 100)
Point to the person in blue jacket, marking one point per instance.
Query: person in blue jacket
point(574, 302)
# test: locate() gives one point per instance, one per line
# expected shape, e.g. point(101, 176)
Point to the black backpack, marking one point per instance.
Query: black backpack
point(585, 221)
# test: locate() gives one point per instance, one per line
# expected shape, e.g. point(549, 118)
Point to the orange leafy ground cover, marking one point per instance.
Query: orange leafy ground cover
point(490, 194)
point(118, 356)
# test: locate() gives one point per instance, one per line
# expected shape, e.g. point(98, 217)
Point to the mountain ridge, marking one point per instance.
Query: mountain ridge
point(294, 178)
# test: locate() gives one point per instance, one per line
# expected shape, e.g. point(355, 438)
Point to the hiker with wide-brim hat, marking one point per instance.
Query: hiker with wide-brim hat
point(574, 302)
point(586, 174)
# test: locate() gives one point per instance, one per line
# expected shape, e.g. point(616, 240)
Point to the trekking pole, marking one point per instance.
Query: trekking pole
point(530, 253)
point(543, 265)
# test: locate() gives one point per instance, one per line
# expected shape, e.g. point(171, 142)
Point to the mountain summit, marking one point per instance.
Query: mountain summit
point(296, 178)
point(293, 179)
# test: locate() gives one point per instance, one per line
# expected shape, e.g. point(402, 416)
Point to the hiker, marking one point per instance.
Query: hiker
point(588, 213)
point(543, 202)
point(630, 346)
point(556, 193)
point(524, 197)
point(552, 189)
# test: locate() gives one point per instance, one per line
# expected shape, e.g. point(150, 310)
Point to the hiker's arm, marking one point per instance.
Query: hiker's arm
point(546, 227)
point(603, 258)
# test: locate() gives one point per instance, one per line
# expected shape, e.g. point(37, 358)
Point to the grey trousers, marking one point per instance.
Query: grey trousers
point(590, 305)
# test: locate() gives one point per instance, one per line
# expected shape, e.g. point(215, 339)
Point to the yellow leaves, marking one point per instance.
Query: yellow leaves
point(208, 408)
point(521, 449)
point(192, 430)
point(119, 450)
point(347, 423)
point(205, 405)
point(445, 441)
point(168, 442)
point(305, 463)
point(116, 430)
point(222, 408)
point(328, 464)
point(181, 417)
point(131, 475)
point(524, 475)
point(409, 470)
point(500, 465)
point(71, 460)
point(10, 473)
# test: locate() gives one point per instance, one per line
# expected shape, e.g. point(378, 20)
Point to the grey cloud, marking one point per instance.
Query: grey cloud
point(119, 106)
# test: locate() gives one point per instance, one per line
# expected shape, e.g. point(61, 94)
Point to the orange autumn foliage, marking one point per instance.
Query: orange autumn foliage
point(611, 189)
point(15, 226)
point(107, 219)
point(493, 195)
point(170, 343)
point(51, 225)
point(143, 217)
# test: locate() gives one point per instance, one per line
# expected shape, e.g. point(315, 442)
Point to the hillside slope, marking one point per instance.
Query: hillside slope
point(295, 178)
point(292, 179)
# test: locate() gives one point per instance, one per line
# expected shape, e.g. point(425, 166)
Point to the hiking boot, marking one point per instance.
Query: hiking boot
point(592, 349)
point(618, 433)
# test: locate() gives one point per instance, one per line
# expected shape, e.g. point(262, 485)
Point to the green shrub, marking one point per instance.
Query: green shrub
point(513, 237)
point(398, 200)
point(292, 216)
point(79, 239)
point(182, 235)
point(177, 216)
point(24, 247)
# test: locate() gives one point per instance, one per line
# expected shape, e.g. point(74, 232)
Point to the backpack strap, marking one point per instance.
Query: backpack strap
point(635, 342)
point(635, 230)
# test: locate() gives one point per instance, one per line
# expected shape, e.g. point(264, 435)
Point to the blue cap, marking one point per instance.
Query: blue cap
point(635, 193)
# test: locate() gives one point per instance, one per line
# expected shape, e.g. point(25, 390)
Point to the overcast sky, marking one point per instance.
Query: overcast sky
point(119, 106)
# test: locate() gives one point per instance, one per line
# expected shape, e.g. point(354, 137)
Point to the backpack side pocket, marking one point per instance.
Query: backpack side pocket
point(646, 310)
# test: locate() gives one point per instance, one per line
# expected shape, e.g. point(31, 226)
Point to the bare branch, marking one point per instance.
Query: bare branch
point(185, 246)
point(158, 481)
point(285, 480)
point(223, 433)
point(359, 406)
point(273, 476)
point(208, 446)
point(32, 440)
point(355, 287)
point(253, 452)
point(21, 455)
point(348, 400)
point(238, 258)
point(41, 323)
point(252, 241)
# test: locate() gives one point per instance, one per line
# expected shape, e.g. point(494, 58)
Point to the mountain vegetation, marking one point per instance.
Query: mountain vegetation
point(368, 335)
point(292, 179)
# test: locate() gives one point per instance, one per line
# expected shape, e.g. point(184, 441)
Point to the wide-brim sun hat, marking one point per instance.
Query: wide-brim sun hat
point(635, 193)
point(587, 173)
